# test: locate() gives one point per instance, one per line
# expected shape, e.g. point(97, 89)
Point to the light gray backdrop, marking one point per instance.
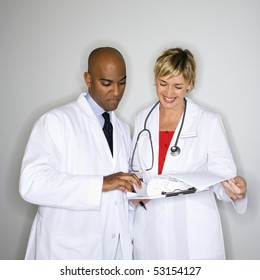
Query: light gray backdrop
point(43, 53)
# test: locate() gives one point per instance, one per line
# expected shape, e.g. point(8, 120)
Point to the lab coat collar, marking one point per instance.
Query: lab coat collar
point(187, 130)
point(97, 130)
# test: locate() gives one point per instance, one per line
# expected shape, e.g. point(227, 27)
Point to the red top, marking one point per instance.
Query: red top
point(165, 138)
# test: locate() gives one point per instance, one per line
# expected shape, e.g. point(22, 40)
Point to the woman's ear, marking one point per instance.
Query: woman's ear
point(189, 88)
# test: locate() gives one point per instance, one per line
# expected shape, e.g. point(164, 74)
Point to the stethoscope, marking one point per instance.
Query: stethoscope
point(175, 149)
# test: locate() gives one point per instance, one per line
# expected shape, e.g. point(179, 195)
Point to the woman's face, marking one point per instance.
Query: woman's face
point(171, 90)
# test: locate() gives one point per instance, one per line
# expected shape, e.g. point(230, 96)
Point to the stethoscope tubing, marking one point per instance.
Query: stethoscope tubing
point(175, 150)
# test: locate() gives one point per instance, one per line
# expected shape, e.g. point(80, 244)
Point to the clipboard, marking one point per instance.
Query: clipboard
point(179, 192)
point(163, 194)
point(178, 184)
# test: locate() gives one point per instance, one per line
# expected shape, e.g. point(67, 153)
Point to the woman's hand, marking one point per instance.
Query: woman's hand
point(235, 188)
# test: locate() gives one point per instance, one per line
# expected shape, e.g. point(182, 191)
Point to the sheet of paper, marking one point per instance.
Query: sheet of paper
point(142, 193)
point(199, 180)
point(169, 183)
point(132, 196)
point(156, 186)
point(165, 183)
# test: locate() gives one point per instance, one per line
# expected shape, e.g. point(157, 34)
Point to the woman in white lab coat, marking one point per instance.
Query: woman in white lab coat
point(69, 171)
point(189, 226)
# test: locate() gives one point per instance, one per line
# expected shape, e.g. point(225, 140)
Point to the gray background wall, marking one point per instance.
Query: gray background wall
point(43, 53)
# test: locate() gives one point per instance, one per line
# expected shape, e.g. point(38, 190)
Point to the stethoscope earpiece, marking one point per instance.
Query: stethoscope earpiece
point(175, 151)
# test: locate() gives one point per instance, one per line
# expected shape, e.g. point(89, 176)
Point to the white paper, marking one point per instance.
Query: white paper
point(143, 193)
point(157, 185)
point(200, 180)
point(169, 183)
point(131, 196)
point(165, 183)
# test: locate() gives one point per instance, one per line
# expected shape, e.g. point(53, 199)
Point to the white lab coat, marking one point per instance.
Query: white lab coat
point(184, 227)
point(62, 171)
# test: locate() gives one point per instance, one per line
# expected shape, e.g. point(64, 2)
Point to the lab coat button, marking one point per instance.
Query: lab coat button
point(113, 235)
point(115, 203)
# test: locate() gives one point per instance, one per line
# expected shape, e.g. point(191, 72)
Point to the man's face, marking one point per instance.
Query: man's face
point(106, 82)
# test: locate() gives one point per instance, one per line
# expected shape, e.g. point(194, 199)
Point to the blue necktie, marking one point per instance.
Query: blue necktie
point(108, 130)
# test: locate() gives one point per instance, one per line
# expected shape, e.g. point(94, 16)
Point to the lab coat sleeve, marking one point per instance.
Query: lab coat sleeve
point(240, 205)
point(220, 162)
point(220, 159)
point(41, 180)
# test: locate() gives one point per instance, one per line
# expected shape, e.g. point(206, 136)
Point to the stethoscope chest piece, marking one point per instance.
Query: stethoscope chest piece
point(175, 151)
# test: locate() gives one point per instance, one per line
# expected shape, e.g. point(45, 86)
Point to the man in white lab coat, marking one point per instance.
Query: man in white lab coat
point(70, 172)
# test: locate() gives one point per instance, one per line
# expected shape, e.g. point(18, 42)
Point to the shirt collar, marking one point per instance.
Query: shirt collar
point(94, 106)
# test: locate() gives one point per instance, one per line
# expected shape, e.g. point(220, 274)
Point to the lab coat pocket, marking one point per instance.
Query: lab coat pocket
point(72, 249)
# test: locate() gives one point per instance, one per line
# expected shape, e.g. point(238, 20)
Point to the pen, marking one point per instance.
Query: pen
point(142, 204)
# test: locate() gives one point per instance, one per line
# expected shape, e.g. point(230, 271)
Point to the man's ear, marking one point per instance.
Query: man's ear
point(88, 79)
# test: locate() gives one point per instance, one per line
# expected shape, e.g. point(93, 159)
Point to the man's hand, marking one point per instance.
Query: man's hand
point(235, 188)
point(121, 181)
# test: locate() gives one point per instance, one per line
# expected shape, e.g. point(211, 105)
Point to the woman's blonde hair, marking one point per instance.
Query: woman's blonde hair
point(174, 62)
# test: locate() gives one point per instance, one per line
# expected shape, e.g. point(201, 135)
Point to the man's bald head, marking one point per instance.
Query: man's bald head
point(106, 77)
point(101, 55)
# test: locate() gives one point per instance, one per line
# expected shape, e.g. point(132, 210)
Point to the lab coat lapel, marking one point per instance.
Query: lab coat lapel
point(187, 131)
point(96, 130)
point(155, 125)
point(117, 139)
